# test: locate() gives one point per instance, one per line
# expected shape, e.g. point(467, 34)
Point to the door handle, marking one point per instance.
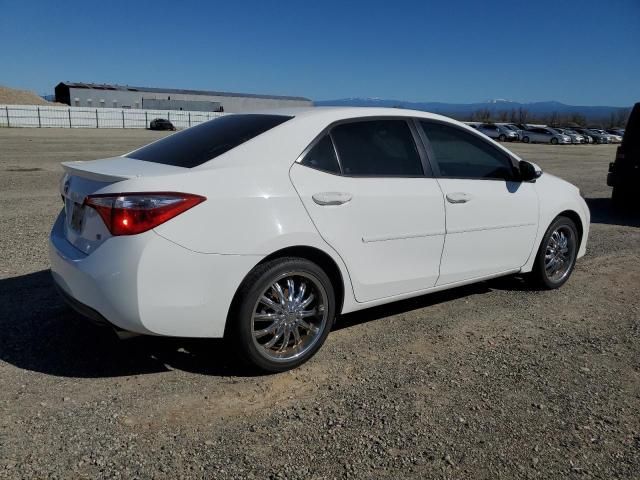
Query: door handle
point(331, 198)
point(458, 197)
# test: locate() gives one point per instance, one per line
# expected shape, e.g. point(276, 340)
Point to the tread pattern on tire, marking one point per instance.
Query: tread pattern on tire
point(243, 303)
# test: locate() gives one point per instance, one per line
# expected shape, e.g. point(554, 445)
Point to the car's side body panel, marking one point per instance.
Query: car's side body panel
point(493, 231)
point(555, 197)
point(390, 233)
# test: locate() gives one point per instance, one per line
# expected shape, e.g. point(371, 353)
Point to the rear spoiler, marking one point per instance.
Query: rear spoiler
point(116, 169)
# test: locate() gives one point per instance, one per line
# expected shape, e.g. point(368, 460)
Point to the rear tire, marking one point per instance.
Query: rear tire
point(525, 139)
point(277, 323)
point(554, 141)
point(557, 254)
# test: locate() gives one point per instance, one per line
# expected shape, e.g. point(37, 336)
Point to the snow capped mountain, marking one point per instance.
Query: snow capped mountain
point(466, 109)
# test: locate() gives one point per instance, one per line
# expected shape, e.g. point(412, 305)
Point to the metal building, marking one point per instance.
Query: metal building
point(95, 95)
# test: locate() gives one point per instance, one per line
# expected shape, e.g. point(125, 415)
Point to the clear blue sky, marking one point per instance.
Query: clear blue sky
point(577, 52)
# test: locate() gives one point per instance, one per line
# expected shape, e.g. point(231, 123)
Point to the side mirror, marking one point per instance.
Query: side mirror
point(528, 172)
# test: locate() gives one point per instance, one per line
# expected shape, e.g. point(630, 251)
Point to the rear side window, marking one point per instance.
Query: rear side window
point(201, 143)
point(377, 148)
point(322, 156)
point(461, 154)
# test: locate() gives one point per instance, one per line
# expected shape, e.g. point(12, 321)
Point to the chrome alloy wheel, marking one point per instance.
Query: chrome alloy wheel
point(289, 316)
point(559, 255)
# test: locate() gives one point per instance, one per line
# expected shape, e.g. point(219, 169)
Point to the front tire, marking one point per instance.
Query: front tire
point(557, 254)
point(283, 313)
point(554, 141)
point(525, 139)
point(502, 137)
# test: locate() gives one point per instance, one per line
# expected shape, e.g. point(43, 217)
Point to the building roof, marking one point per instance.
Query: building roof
point(129, 88)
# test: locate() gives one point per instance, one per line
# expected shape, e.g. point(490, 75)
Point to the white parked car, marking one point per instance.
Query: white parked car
point(575, 137)
point(265, 227)
point(545, 135)
point(497, 132)
point(613, 138)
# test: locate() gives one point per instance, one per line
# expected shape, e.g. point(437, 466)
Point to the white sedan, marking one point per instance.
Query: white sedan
point(265, 227)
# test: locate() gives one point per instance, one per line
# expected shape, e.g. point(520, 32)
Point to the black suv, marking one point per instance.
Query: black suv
point(624, 172)
point(161, 124)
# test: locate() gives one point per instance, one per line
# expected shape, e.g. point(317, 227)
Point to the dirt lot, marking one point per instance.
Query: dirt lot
point(488, 381)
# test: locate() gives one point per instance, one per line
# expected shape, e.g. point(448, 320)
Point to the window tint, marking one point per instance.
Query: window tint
point(462, 154)
point(377, 148)
point(201, 143)
point(322, 156)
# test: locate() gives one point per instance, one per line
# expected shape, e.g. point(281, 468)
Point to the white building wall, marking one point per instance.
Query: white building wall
point(79, 117)
point(98, 98)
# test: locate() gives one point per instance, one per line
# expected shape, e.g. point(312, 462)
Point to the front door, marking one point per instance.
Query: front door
point(492, 218)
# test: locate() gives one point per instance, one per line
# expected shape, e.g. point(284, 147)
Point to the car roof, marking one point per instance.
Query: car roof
point(288, 140)
point(345, 113)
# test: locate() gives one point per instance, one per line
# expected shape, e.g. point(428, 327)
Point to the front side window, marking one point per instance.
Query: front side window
point(461, 154)
point(377, 148)
point(197, 145)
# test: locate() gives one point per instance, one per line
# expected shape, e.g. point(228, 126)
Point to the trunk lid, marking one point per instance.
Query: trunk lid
point(83, 226)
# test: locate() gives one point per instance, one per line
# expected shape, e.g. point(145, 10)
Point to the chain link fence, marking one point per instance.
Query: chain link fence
point(80, 117)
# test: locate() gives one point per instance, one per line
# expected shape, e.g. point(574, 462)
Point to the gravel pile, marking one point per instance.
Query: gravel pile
point(11, 96)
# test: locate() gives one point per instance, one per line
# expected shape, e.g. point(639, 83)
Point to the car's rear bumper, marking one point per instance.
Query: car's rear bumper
point(147, 284)
point(84, 310)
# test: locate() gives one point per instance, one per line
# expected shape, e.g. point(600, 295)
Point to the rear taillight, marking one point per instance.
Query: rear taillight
point(132, 213)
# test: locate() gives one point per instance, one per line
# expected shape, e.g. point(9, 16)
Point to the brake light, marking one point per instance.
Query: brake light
point(133, 213)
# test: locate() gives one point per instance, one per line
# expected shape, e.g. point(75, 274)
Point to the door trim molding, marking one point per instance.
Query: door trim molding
point(384, 238)
point(494, 227)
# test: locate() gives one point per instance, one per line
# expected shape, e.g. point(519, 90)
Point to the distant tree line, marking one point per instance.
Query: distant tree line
point(522, 115)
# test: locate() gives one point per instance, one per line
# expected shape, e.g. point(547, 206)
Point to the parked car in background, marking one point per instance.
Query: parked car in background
point(616, 131)
point(161, 124)
point(624, 171)
point(513, 128)
point(576, 138)
point(497, 132)
point(595, 136)
point(544, 135)
point(613, 138)
point(155, 241)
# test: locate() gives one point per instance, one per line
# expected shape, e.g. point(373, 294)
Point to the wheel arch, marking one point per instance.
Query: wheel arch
point(567, 212)
point(313, 254)
point(322, 259)
point(575, 217)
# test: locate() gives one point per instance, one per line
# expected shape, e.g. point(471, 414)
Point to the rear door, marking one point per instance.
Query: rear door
point(492, 217)
point(369, 191)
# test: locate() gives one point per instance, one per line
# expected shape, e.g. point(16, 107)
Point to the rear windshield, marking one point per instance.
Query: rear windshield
point(201, 143)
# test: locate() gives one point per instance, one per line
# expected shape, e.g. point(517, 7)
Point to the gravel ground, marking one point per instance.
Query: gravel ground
point(487, 381)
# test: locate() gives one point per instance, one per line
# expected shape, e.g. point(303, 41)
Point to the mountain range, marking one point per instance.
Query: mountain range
point(465, 110)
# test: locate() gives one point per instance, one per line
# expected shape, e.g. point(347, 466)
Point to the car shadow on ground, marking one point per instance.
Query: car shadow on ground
point(603, 211)
point(40, 333)
point(403, 306)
